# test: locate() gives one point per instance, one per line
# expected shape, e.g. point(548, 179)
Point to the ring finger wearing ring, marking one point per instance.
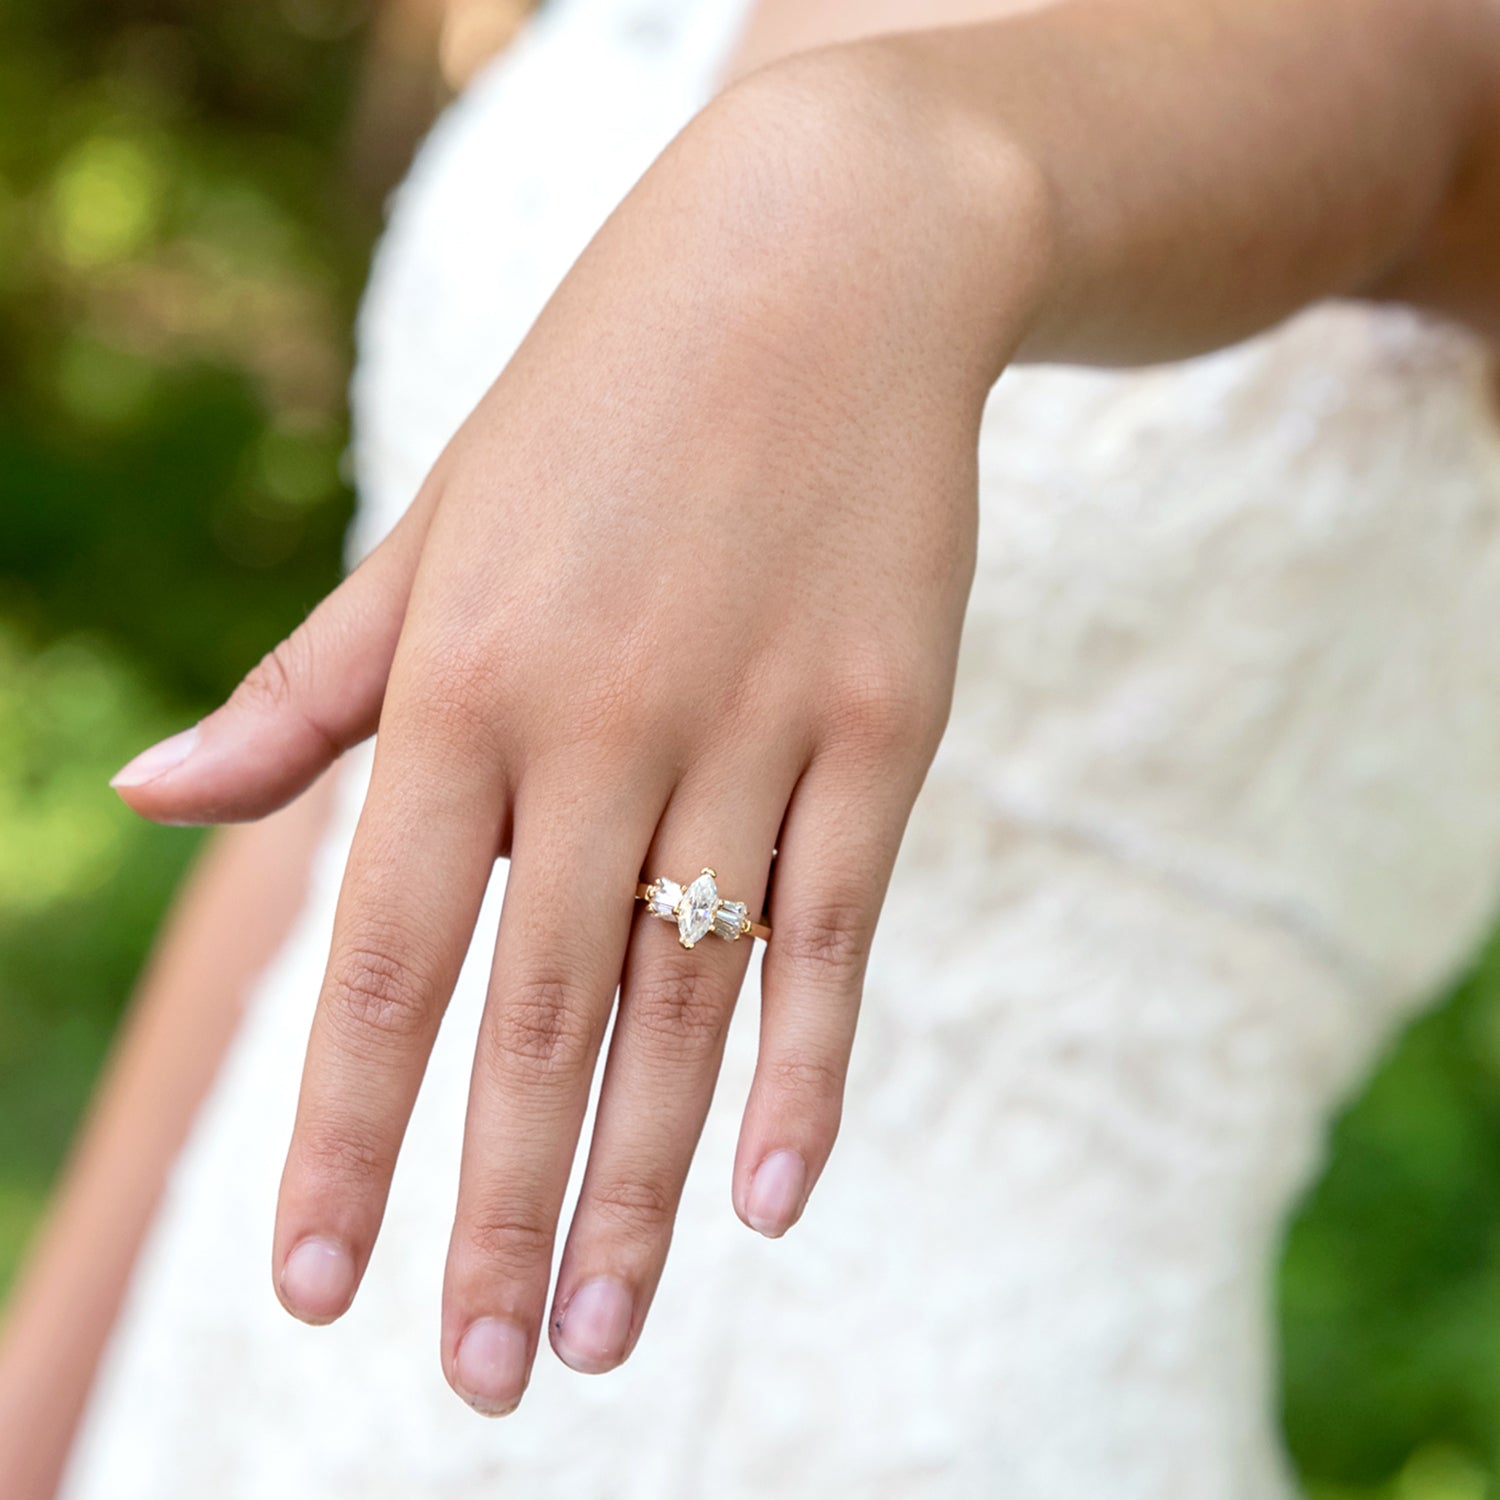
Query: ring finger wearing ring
point(664, 1056)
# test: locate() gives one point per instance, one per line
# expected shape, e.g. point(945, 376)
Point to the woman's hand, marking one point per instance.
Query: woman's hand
point(686, 586)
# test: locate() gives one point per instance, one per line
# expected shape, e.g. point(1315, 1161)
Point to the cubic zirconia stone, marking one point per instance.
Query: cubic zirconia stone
point(664, 902)
point(729, 918)
point(697, 914)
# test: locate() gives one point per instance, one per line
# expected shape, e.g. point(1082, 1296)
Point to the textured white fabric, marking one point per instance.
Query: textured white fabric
point(1218, 802)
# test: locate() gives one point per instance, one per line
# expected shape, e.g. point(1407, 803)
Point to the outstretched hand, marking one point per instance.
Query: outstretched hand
point(686, 586)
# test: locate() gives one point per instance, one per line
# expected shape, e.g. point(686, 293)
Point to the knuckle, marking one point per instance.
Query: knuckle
point(451, 717)
point(372, 992)
point(678, 1005)
point(455, 653)
point(638, 1207)
point(887, 709)
point(281, 683)
point(339, 1154)
point(832, 937)
point(810, 1079)
point(460, 690)
point(610, 707)
point(543, 1027)
point(510, 1243)
point(454, 702)
point(273, 682)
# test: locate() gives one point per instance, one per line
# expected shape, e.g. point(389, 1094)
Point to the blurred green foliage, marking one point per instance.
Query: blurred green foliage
point(1390, 1287)
point(180, 254)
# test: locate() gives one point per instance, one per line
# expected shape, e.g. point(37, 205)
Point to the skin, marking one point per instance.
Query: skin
point(787, 330)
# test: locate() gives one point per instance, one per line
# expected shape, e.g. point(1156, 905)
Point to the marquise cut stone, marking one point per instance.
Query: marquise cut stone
point(695, 918)
point(664, 902)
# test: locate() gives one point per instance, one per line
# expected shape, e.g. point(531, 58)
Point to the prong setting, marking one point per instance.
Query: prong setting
point(698, 909)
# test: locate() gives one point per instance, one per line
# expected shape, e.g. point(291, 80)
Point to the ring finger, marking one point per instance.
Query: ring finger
point(664, 1056)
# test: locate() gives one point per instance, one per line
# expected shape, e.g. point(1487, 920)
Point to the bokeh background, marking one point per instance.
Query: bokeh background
point(188, 194)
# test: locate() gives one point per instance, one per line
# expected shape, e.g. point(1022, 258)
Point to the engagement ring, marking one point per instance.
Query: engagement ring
point(698, 909)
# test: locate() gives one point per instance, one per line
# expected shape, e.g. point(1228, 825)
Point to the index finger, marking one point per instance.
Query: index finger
point(418, 866)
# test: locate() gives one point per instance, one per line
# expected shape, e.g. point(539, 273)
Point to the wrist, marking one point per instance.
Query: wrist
point(853, 177)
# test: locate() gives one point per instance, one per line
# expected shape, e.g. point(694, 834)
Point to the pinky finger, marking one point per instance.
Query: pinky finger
point(837, 848)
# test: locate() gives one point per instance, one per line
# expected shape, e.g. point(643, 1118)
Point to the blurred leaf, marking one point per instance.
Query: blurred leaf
point(108, 199)
point(179, 263)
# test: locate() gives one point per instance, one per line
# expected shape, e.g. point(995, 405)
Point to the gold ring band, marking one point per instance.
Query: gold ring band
point(698, 909)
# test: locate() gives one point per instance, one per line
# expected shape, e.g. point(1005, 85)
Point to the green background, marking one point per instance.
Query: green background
point(185, 215)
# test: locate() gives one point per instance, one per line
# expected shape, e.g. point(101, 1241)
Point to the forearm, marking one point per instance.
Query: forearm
point(235, 908)
point(1202, 167)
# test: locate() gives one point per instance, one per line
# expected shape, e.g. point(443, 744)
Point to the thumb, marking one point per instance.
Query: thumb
point(310, 698)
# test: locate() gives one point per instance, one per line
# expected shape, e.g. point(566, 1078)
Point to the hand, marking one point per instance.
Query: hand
point(686, 586)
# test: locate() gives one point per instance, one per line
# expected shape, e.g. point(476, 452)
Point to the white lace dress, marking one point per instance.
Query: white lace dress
point(1219, 804)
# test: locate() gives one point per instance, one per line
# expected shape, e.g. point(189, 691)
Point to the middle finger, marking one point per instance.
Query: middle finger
point(664, 1057)
point(580, 832)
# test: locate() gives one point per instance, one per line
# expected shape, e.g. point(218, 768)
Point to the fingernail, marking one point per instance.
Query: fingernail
point(776, 1193)
point(489, 1367)
point(595, 1327)
point(156, 760)
point(317, 1279)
